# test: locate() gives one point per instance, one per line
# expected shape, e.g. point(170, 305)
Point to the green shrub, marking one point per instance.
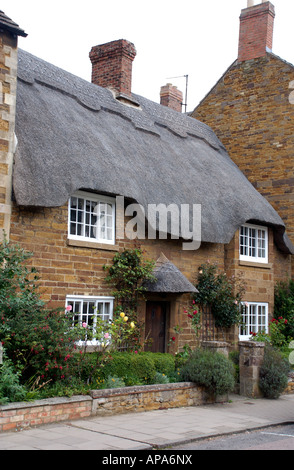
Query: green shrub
point(163, 362)
point(143, 367)
point(10, 388)
point(284, 306)
point(234, 356)
point(211, 370)
point(273, 376)
point(114, 382)
point(160, 378)
point(222, 293)
point(34, 337)
point(133, 368)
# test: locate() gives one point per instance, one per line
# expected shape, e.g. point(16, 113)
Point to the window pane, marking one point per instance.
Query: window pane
point(76, 309)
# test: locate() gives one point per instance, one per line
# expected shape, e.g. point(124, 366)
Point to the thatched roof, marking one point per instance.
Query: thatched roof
point(169, 278)
point(73, 134)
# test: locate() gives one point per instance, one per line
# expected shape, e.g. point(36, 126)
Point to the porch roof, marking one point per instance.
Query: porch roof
point(169, 279)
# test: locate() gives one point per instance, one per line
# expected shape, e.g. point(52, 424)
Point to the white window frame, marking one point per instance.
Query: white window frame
point(92, 227)
point(254, 319)
point(254, 243)
point(85, 316)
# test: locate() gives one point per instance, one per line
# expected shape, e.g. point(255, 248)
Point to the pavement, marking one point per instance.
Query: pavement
point(151, 430)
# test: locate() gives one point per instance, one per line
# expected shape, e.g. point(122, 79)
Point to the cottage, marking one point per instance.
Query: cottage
point(82, 164)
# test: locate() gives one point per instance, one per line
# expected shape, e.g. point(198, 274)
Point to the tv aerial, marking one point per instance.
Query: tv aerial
point(186, 92)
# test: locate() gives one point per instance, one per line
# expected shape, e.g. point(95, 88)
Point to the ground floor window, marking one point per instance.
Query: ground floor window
point(86, 309)
point(254, 319)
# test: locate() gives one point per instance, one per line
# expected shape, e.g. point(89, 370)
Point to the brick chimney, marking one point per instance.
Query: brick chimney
point(171, 97)
point(256, 30)
point(112, 65)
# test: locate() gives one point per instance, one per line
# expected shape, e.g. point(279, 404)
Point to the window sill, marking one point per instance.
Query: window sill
point(93, 245)
point(254, 264)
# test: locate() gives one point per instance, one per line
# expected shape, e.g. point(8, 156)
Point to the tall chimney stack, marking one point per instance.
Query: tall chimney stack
point(171, 97)
point(112, 65)
point(256, 30)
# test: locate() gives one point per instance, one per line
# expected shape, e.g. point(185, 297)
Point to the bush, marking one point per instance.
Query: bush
point(114, 382)
point(34, 338)
point(211, 370)
point(161, 378)
point(284, 306)
point(10, 388)
point(222, 293)
point(273, 377)
point(163, 362)
point(139, 368)
point(234, 356)
point(133, 368)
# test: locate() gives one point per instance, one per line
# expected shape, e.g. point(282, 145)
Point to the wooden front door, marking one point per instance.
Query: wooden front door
point(155, 325)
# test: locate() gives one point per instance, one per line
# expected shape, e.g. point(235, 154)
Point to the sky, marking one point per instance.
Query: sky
point(198, 38)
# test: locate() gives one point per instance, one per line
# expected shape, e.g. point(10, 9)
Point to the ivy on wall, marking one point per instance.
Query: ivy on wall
point(127, 275)
point(223, 293)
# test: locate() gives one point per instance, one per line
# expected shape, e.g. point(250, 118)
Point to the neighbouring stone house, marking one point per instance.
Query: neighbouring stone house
point(251, 111)
point(86, 159)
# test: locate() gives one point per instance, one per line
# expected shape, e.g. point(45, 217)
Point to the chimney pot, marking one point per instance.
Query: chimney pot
point(171, 97)
point(256, 30)
point(112, 65)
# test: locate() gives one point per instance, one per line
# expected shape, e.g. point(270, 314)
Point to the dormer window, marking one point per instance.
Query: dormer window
point(254, 243)
point(91, 217)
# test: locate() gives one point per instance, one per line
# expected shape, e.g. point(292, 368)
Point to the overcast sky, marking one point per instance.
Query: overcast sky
point(172, 38)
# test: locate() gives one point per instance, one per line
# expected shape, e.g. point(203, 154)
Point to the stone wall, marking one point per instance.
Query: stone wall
point(8, 70)
point(147, 398)
point(17, 416)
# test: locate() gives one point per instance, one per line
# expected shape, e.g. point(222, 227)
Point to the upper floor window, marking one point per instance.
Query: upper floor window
point(91, 217)
point(254, 243)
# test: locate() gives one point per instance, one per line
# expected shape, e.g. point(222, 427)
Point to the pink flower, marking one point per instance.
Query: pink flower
point(69, 308)
point(106, 335)
point(84, 325)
